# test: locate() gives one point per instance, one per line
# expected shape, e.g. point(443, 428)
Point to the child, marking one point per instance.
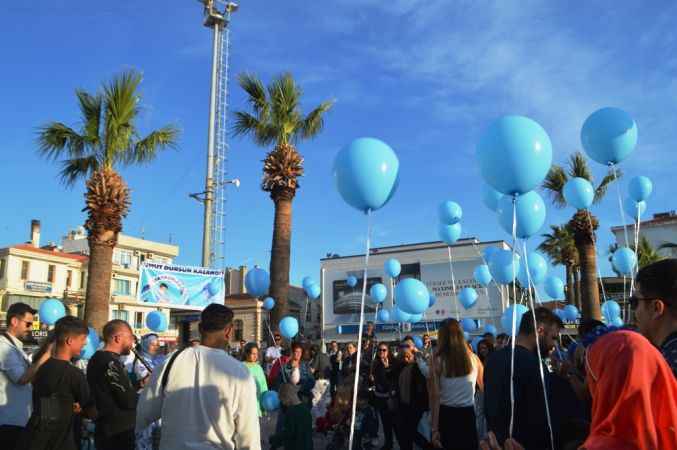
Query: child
point(366, 423)
point(297, 423)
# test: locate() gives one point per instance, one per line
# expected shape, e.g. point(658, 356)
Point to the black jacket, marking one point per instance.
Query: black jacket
point(385, 380)
point(418, 391)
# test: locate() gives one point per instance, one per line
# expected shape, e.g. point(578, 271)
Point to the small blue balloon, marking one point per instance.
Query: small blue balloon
point(432, 300)
point(156, 321)
point(378, 293)
point(466, 335)
point(468, 324)
point(632, 208)
point(467, 297)
point(489, 328)
point(257, 282)
point(514, 154)
point(400, 316)
point(289, 327)
point(449, 233)
point(488, 252)
point(617, 322)
point(624, 260)
point(570, 313)
point(91, 344)
point(51, 310)
point(609, 135)
point(412, 296)
point(418, 342)
point(270, 400)
point(538, 269)
point(392, 267)
point(554, 287)
point(307, 281)
point(366, 173)
point(490, 197)
point(611, 309)
point(450, 212)
point(268, 303)
point(529, 213)
point(351, 281)
point(579, 193)
point(314, 291)
point(506, 318)
point(415, 318)
point(640, 188)
point(383, 315)
point(504, 266)
point(482, 275)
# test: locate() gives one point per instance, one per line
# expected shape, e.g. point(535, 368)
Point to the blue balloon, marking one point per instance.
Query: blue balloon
point(418, 342)
point(466, 335)
point(257, 282)
point(467, 297)
point(450, 212)
point(307, 281)
point(482, 275)
point(609, 135)
point(554, 287)
point(366, 173)
point(529, 210)
point(624, 261)
point(270, 400)
point(91, 344)
point(504, 266)
point(632, 208)
point(351, 281)
point(415, 318)
point(468, 324)
point(640, 188)
point(449, 233)
point(51, 310)
point(611, 309)
point(314, 291)
point(559, 312)
point(412, 296)
point(538, 269)
point(269, 303)
point(432, 300)
point(289, 327)
point(514, 154)
point(617, 322)
point(506, 318)
point(156, 321)
point(570, 313)
point(489, 328)
point(383, 315)
point(392, 267)
point(489, 252)
point(400, 316)
point(378, 293)
point(490, 197)
point(579, 193)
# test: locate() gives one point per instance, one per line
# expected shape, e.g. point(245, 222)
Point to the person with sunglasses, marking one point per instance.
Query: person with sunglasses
point(273, 353)
point(655, 306)
point(384, 372)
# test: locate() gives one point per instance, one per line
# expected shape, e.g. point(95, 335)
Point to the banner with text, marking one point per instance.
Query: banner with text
point(180, 286)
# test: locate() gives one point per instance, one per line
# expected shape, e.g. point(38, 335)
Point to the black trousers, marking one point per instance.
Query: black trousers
point(407, 425)
point(387, 420)
point(9, 436)
point(120, 441)
point(458, 429)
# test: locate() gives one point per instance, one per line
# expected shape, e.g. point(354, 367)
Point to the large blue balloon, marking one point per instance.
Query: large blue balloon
point(366, 173)
point(514, 154)
point(450, 212)
point(611, 309)
point(468, 324)
point(307, 281)
point(482, 275)
point(392, 267)
point(554, 287)
point(506, 318)
point(51, 310)
point(314, 291)
point(609, 135)
point(270, 401)
point(632, 208)
point(617, 321)
point(467, 297)
point(570, 313)
point(640, 188)
point(579, 193)
point(624, 261)
point(529, 210)
point(488, 252)
point(378, 293)
point(156, 321)
point(415, 318)
point(383, 315)
point(257, 282)
point(432, 300)
point(490, 197)
point(91, 344)
point(400, 316)
point(268, 303)
point(351, 281)
point(538, 269)
point(504, 266)
point(412, 296)
point(489, 328)
point(289, 327)
point(449, 233)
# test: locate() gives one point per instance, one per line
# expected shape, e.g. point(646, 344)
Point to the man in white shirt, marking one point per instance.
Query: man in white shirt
point(273, 353)
point(205, 398)
point(16, 373)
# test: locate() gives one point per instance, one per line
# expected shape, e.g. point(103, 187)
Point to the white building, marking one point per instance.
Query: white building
point(659, 230)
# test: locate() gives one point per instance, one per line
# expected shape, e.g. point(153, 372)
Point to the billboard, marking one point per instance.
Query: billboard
point(347, 300)
point(180, 286)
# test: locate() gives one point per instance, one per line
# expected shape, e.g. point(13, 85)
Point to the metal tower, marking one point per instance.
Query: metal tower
point(214, 195)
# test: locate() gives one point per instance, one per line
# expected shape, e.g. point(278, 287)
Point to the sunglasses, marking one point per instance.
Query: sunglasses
point(382, 349)
point(634, 301)
point(278, 338)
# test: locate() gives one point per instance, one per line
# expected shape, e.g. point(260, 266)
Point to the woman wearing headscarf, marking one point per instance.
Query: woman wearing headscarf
point(149, 359)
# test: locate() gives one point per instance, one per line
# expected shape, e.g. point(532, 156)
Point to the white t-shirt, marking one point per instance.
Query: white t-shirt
point(459, 392)
point(273, 353)
point(209, 402)
point(15, 399)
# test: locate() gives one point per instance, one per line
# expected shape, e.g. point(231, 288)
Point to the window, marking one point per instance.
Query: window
point(120, 287)
point(25, 265)
point(122, 258)
point(120, 315)
point(69, 278)
point(50, 273)
point(238, 329)
point(138, 319)
point(82, 280)
point(309, 312)
point(2, 268)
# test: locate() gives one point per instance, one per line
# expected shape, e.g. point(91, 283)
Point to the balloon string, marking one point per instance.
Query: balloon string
point(453, 283)
point(637, 225)
point(514, 318)
point(594, 244)
point(620, 203)
point(486, 288)
point(359, 333)
point(538, 347)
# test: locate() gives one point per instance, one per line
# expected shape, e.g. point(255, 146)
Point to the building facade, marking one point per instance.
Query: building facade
point(660, 230)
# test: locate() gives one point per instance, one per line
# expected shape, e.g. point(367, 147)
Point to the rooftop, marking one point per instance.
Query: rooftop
point(663, 218)
point(49, 251)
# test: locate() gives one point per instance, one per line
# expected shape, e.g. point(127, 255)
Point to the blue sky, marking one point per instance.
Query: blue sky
point(424, 76)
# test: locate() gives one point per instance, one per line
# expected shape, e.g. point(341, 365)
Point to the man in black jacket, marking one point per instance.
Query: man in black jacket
point(113, 393)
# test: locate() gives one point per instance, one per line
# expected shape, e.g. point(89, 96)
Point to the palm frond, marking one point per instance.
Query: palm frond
point(256, 94)
point(554, 184)
point(285, 95)
point(146, 149)
point(76, 168)
point(90, 107)
point(600, 190)
point(56, 140)
point(247, 124)
point(313, 123)
point(121, 108)
point(578, 167)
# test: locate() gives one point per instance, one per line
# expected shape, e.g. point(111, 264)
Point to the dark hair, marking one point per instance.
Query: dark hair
point(112, 327)
point(249, 347)
point(587, 325)
point(502, 336)
point(215, 317)
point(544, 316)
point(408, 338)
point(18, 310)
point(68, 326)
point(488, 335)
point(660, 280)
point(296, 345)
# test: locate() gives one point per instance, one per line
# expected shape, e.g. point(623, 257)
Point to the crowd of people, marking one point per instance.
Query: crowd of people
point(607, 389)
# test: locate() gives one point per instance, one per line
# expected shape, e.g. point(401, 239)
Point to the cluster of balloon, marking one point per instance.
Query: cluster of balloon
point(612, 313)
point(257, 282)
point(400, 316)
point(51, 310)
point(490, 197)
point(270, 401)
point(527, 210)
point(378, 293)
point(554, 287)
point(489, 328)
point(468, 297)
point(571, 313)
point(412, 296)
point(156, 321)
point(91, 344)
point(268, 303)
point(289, 327)
point(311, 288)
point(482, 275)
point(506, 318)
point(534, 270)
point(624, 261)
point(383, 315)
point(468, 324)
point(504, 266)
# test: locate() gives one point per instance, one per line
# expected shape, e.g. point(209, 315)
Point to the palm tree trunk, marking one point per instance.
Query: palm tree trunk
point(583, 225)
point(280, 253)
point(571, 293)
point(99, 269)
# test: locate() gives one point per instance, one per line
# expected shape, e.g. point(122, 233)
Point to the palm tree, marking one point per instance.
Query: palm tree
point(107, 139)
point(583, 225)
point(559, 246)
point(276, 119)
